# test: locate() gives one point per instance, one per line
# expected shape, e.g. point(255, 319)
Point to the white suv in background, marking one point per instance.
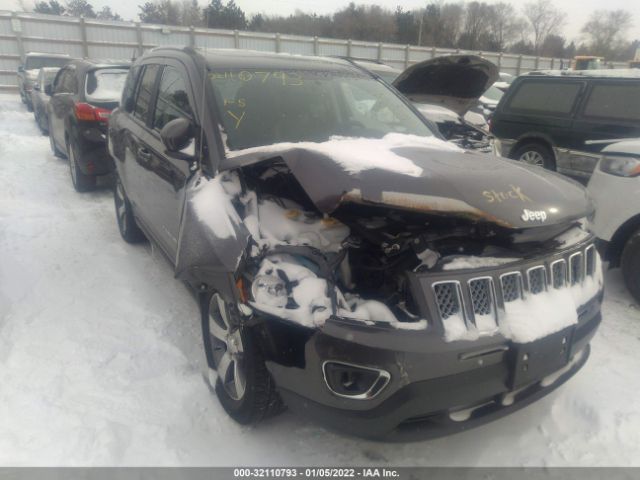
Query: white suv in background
point(615, 187)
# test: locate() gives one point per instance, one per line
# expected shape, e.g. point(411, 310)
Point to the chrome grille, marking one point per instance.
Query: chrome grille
point(448, 298)
point(477, 302)
point(481, 292)
point(576, 268)
point(537, 277)
point(511, 286)
point(590, 260)
point(559, 274)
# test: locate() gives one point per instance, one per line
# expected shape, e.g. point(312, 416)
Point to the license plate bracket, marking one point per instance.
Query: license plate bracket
point(535, 360)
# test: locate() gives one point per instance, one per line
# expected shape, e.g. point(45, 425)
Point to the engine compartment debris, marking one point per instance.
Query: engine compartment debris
point(306, 266)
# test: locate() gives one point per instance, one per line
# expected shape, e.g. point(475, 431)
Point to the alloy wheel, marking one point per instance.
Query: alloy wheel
point(532, 158)
point(228, 349)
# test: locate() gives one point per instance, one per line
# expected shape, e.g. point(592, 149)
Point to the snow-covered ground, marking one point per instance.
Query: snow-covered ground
point(101, 360)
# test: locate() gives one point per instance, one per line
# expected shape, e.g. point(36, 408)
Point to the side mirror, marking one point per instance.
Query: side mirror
point(48, 89)
point(177, 135)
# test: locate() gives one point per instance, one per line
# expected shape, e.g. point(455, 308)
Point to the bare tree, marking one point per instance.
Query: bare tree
point(504, 25)
point(545, 20)
point(607, 31)
point(451, 18)
point(476, 26)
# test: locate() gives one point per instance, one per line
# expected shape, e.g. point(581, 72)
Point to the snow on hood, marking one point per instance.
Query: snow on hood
point(426, 175)
point(355, 155)
point(453, 81)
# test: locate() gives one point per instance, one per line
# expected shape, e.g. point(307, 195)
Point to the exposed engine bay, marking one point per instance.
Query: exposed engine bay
point(465, 136)
point(305, 266)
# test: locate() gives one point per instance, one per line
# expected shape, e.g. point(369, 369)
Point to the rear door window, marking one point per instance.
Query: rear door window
point(173, 100)
point(145, 92)
point(105, 84)
point(616, 101)
point(540, 97)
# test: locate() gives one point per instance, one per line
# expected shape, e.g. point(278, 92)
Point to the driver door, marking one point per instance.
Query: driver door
point(167, 175)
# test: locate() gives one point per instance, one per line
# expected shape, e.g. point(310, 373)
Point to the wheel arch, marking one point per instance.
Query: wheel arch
point(536, 138)
point(619, 239)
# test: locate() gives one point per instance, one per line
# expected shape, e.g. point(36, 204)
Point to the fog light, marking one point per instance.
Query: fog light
point(352, 381)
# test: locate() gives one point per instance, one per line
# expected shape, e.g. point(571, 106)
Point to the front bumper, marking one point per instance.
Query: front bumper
point(436, 388)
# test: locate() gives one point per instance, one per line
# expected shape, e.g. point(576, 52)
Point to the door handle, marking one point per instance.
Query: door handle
point(144, 153)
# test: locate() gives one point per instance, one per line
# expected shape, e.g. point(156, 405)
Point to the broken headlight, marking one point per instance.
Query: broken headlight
point(269, 290)
point(620, 166)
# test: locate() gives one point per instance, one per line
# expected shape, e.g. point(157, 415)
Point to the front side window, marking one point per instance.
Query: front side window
point(173, 101)
point(105, 84)
point(263, 107)
point(145, 91)
point(614, 101)
point(545, 97)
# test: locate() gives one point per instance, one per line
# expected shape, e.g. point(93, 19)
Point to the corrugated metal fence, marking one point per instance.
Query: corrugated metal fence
point(21, 33)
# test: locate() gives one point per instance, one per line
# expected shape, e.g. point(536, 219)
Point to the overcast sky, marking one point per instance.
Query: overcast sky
point(578, 10)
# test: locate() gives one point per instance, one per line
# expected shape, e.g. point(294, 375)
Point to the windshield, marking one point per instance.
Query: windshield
point(264, 107)
point(493, 93)
point(106, 84)
point(34, 63)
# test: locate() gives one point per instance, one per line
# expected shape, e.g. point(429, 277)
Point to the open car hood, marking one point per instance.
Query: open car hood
point(434, 179)
point(454, 81)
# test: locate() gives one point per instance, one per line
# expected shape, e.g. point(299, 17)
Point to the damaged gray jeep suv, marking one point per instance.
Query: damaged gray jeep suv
point(351, 264)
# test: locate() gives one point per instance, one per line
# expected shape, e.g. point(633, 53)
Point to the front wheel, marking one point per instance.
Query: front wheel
point(536, 154)
point(630, 263)
point(81, 181)
point(242, 382)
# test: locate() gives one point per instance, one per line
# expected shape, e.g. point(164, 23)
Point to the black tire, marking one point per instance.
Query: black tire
point(52, 142)
point(535, 154)
point(630, 263)
point(29, 105)
point(41, 123)
point(81, 181)
point(129, 229)
point(258, 399)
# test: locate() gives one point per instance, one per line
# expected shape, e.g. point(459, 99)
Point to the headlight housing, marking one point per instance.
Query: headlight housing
point(269, 290)
point(620, 166)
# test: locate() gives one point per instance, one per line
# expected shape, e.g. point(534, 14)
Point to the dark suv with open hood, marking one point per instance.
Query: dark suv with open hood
point(349, 263)
point(448, 91)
